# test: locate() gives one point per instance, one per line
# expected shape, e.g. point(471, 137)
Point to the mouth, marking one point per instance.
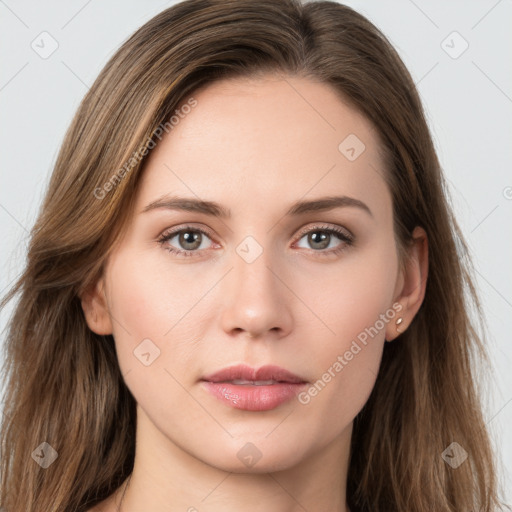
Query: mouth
point(243, 387)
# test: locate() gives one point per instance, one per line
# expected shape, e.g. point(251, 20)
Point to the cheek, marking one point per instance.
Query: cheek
point(149, 308)
point(353, 304)
point(150, 295)
point(136, 300)
point(349, 297)
point(155, 326)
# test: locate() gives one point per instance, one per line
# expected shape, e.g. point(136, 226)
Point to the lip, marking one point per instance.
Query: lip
point(252, 397)
point(242, 371)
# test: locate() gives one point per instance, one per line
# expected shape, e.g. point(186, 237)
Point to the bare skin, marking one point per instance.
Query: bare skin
point(255, 147)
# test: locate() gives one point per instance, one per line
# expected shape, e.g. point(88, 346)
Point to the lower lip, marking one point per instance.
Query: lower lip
point(254, 398)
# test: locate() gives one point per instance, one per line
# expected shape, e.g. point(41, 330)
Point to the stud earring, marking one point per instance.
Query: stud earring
point(398, 322)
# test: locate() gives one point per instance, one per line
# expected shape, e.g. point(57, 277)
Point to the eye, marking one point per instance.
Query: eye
point(321, 237)
point(189, 240)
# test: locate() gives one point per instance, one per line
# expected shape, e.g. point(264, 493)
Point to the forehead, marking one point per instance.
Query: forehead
point(247, 140)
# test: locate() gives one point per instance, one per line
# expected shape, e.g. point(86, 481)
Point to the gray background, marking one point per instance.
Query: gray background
point(467, 96)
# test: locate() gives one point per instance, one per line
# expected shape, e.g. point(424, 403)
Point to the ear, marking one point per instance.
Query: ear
point(95, 307)
point(411, 284)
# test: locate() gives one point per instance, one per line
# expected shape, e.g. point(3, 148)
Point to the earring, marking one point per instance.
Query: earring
point(398, 322)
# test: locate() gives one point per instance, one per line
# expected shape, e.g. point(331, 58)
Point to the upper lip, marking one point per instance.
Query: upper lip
point(241, 371)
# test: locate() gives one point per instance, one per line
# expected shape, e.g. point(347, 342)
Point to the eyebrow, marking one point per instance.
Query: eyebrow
point(216, 210)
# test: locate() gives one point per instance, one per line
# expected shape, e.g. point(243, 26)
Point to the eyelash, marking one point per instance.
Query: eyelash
point(343, 235)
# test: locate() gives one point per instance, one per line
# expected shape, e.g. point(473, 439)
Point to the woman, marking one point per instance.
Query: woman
point(246, 208)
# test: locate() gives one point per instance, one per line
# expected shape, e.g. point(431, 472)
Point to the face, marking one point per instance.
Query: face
point(317, 288)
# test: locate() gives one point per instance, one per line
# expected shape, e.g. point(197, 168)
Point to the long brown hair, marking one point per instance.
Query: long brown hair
point(63, 383)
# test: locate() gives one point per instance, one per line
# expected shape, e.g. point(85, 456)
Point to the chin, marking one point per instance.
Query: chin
point(256, 456)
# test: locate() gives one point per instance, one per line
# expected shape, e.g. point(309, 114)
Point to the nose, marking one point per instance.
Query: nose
point(258, 297)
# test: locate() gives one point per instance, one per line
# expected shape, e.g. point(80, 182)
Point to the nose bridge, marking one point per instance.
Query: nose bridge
point(258, 299)
point(251, 268)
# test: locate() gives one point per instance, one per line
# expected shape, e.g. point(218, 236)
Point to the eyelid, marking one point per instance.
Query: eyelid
point(184, 227)
point(327, 227)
